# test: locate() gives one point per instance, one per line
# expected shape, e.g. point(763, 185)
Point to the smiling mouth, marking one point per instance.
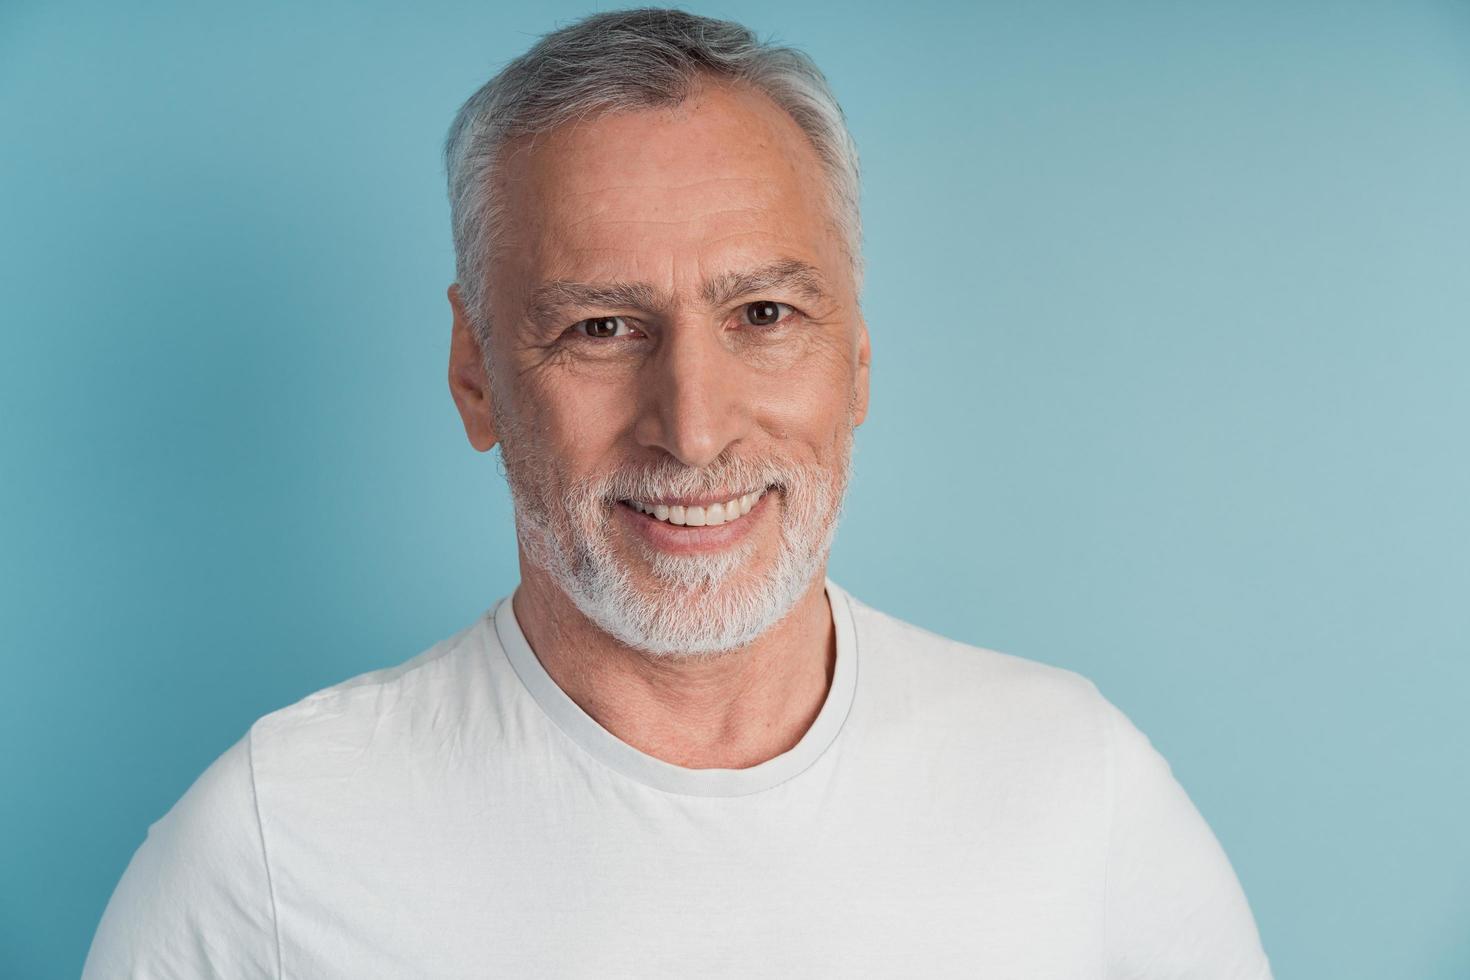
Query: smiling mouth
point(709, 515)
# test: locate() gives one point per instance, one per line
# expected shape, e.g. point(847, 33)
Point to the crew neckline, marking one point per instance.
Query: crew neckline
point(641, 767)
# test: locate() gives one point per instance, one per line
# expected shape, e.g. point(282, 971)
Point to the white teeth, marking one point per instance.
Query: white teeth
point(724, 513)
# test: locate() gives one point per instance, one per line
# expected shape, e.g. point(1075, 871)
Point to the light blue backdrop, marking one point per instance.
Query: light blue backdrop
point(1171, 322)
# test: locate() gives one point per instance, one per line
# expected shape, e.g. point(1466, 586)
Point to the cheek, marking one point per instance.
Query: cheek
point(810, 400)
point(578, 421)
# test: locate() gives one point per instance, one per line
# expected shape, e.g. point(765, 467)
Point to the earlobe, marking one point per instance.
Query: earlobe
point(468, 384)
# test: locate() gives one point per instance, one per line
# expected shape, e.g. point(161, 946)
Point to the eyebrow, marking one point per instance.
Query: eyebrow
point(549, 300)
point(800, 277)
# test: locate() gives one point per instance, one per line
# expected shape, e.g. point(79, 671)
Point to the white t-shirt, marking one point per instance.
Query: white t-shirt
point(951, 812)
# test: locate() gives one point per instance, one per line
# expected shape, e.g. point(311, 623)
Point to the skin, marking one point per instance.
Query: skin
point(683, 202)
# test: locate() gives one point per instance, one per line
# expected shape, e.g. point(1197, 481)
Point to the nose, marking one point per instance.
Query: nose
point(692, 405)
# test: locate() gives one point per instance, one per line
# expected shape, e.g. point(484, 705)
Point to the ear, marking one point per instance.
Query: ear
point(467, 381)
point(860, 378)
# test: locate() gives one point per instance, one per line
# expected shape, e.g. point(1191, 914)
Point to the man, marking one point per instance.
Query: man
point(677, 750)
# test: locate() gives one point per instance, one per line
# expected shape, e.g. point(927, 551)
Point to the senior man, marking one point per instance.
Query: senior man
point(678, 749)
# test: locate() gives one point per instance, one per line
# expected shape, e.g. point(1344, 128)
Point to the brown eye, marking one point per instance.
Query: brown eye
point(603, 326)
point(764, 313)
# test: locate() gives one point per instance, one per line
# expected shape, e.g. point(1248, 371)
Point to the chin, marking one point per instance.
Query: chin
point(692, 605)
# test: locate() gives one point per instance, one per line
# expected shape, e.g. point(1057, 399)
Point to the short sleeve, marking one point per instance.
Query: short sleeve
point(195, 900)
point(1174, 906)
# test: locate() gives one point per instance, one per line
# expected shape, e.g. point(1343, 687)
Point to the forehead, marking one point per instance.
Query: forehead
point(724, 179)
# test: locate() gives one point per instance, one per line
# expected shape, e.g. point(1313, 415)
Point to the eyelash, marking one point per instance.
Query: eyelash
point(780, 317)
point(580, 326)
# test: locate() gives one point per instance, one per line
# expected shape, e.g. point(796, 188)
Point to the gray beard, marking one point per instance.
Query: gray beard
point(698, 605)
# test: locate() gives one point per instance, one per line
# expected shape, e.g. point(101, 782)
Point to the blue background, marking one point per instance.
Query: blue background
point(1169, 311)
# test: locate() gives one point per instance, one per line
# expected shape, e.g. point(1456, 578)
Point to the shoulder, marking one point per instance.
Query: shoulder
point(427, 693)
point(215, 814)
point(901, 661)
point(197, 898)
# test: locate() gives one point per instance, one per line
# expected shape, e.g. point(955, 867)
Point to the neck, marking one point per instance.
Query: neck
point(731, 711)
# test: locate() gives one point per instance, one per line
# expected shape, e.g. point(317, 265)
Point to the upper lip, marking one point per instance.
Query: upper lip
point(704, 500)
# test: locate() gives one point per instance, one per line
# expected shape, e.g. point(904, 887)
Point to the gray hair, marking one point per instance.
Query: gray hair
point(618, 61)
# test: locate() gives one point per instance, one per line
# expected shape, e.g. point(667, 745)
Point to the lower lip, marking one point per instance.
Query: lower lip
point(677, 539)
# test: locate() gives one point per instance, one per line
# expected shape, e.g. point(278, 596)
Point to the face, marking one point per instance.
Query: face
point(678, 363)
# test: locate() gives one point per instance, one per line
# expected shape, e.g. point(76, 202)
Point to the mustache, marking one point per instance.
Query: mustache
point(728, 473)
